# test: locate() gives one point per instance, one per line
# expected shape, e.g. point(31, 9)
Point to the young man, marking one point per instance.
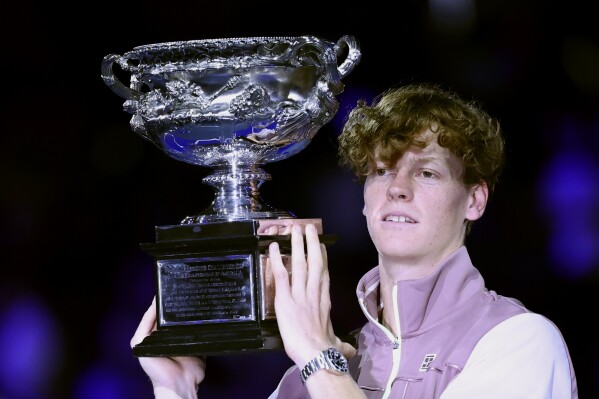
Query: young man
point(429, 161)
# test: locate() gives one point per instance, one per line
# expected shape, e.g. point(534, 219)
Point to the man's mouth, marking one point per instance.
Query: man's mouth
point(400, 219)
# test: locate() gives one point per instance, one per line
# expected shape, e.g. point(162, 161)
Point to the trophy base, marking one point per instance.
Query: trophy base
point(209, 342)
point(214, 287)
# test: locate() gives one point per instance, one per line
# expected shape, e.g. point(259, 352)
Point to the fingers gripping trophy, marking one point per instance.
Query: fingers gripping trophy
point(230, 105)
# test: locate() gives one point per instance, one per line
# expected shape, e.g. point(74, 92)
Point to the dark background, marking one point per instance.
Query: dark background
point(80, 190)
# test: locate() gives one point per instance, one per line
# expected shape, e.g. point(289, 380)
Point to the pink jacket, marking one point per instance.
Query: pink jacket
point(442, 318)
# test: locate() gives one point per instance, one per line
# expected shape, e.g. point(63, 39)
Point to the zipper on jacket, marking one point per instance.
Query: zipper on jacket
point(396, 345)
point(395, 341)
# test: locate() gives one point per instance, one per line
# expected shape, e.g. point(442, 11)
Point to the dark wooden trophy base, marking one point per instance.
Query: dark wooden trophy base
point(214, 288)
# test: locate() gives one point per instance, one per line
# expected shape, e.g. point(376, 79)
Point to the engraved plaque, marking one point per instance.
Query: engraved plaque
point(206, 290)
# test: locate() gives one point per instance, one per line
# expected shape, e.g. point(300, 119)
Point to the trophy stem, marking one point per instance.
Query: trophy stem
point(237, 196)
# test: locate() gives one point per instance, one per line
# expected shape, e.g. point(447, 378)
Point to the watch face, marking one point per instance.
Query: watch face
point(338, 361)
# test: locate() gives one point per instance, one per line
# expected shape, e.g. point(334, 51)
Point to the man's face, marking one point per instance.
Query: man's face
point(415, 210)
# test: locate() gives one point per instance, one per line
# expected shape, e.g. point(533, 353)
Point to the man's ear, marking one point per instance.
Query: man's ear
point(477, 201)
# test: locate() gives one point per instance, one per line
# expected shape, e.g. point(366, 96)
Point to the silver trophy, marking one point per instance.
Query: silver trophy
point(231, 105)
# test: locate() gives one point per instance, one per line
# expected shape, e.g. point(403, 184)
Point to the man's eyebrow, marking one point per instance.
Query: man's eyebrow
point(425, 159)
point(416, 159)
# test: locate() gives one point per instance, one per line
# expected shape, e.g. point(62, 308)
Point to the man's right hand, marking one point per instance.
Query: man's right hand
point(171, 377)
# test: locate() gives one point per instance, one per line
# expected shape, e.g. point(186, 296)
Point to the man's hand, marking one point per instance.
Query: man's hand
point(303, 304)
point(171, 377)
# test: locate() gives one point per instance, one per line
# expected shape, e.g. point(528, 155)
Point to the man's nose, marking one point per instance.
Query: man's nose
point(400, 188)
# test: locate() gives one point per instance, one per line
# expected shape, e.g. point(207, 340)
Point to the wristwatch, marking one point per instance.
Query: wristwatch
point(329, 359)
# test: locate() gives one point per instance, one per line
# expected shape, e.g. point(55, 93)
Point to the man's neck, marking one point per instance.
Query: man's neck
point(393, 271)
point(390, 272)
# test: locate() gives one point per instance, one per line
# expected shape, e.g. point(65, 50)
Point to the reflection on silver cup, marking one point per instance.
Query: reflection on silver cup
point(233, 105)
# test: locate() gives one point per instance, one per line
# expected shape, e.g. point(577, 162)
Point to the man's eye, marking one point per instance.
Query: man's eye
point(428, 174)
point(380, 172)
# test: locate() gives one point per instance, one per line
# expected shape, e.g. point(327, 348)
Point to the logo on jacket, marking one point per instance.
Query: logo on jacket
point(426, 362)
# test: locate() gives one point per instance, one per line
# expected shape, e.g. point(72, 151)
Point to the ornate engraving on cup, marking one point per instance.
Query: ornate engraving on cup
point(233, 105)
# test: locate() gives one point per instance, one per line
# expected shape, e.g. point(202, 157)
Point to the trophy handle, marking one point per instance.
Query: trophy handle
point(353, 54)
point(113, 82)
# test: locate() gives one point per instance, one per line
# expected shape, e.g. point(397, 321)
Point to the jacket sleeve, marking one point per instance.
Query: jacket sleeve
point(523, 357)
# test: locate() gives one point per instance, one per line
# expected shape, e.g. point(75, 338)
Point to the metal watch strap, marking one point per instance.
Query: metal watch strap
point(329, 359)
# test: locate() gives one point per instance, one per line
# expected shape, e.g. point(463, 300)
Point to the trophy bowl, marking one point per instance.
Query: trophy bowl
point(233, 105)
